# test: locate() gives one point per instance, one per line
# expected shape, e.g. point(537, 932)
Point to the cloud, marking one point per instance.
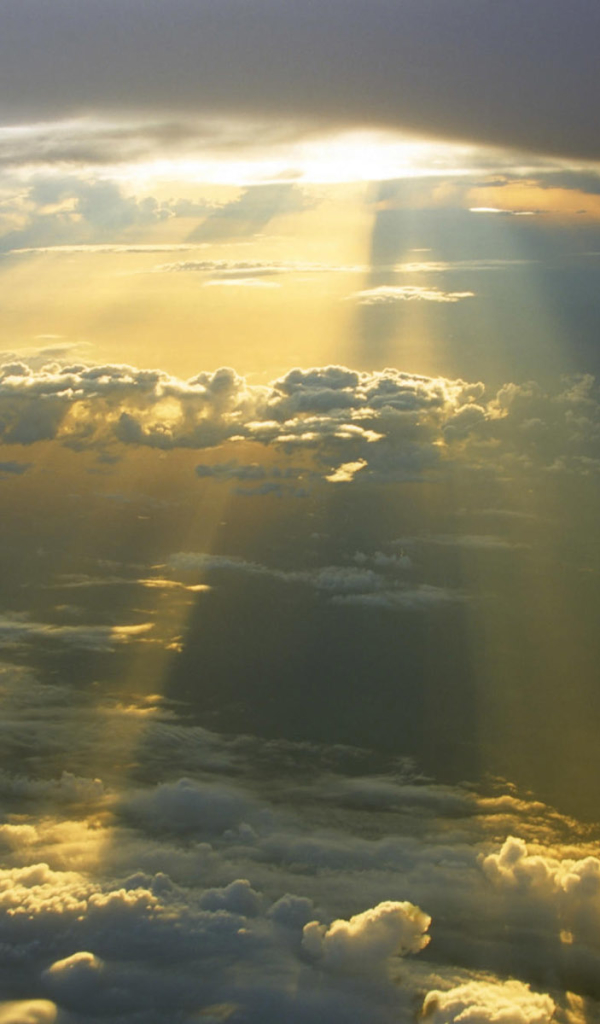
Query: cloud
point(28, 1011)
point(440, 70)
point(515, 867)
point(251, 212)
point(12, 468)
point(482, 1002)
point(261, 268)
point(346, 472)
point(17, 630)
point(423, 597)
point(82, 582)
point(238, 898)
point(72, 211)
point(504, 212)
point(386, 294)
point(242, 890)
point(237, 268)
point(86, 142)
point(68, 789)
point(367, 940)
point(470, 541)
point(188, 806)
point(38, 356)
point(385, 425)
point(77, 975)
point(231, 471)
point(95, 248)
point(340, 584)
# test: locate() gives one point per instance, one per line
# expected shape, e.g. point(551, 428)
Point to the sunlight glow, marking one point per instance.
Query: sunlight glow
point(348, 157)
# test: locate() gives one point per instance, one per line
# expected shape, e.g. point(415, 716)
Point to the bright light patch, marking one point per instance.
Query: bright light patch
point(346, 472)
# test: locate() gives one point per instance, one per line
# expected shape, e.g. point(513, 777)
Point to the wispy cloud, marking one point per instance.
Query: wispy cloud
point(388, 294)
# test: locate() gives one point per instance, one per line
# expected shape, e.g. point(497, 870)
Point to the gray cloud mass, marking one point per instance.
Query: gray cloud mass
point(469, 69)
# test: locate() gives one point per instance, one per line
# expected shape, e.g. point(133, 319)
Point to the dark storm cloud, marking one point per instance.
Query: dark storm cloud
point(507, 73)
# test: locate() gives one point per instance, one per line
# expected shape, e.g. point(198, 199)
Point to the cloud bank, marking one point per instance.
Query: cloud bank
point(348, 426)
point(465, 70)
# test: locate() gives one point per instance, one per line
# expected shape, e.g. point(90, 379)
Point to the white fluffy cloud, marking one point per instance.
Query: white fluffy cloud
point(367, 940)
point(486, 1002)
point(514, 866)
point(197, 893)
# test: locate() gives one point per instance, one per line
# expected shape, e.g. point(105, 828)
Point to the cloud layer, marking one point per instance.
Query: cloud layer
point(463, 70)
point(350, 426)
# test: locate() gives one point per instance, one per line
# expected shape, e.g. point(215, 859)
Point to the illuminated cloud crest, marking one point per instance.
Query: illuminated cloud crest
point(353, 426)
point(480, 1002)
point(367, 940)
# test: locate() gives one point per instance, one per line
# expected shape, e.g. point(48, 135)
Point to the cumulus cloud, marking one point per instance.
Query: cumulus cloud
point(514, 866)
point(203, 892)
point(80, 971)
point(71, 211)
point(367, 940)
point(488, 1002)
point(387, 425)
point(188, 806)
point(351, 63)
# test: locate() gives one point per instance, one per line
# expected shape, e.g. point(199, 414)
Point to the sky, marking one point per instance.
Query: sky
point(300, 474)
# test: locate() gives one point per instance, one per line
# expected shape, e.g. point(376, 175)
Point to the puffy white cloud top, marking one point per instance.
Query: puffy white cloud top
point(515, 866)
point(483, 1002)
point(367, 940)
